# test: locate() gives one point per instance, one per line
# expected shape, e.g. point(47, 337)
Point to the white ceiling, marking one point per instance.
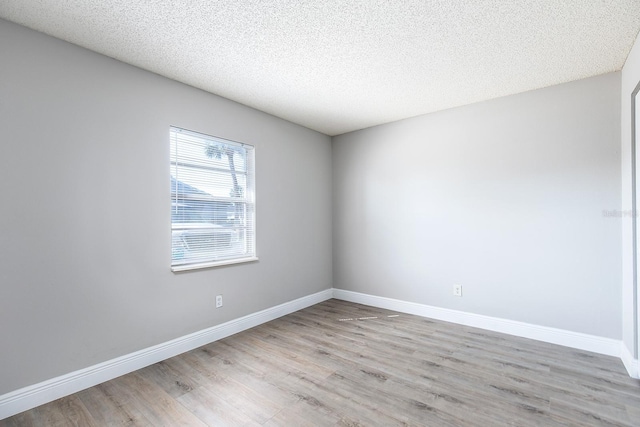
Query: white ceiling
point(339, 65)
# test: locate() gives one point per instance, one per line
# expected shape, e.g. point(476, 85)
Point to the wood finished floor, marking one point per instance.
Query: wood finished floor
point(314, 368)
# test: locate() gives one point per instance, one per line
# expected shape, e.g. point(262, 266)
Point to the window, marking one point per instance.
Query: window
point(212, 201)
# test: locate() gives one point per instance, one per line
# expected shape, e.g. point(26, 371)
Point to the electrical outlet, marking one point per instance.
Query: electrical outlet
point(218, 301)
point(457, 290)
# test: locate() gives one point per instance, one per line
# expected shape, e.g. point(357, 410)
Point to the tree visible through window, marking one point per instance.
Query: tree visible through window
point(212, 201)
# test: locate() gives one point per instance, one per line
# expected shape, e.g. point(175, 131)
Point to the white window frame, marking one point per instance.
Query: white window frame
point(243, 222)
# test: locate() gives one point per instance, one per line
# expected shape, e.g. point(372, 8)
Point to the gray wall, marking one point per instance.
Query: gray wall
point(504, 197)
point(630, 325)
point(84, 220)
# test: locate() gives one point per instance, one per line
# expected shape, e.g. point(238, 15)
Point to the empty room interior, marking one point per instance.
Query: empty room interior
point(338, 213)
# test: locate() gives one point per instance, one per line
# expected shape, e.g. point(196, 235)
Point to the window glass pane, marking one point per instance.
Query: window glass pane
point(212, 199)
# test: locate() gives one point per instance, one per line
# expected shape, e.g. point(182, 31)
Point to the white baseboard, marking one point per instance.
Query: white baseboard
point(632, 364)
point(566, 338)
point(29, 397)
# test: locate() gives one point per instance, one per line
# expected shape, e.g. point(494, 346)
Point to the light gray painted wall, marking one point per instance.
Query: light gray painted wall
point(84, 219)
point(630, 78)
point(504, 197)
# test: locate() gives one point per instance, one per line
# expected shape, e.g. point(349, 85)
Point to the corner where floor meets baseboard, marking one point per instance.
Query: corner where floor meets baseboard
point(38, 394)
point(632, 364)
point(577, 340)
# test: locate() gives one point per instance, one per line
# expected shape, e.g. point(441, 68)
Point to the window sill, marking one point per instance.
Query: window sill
point(199, 266)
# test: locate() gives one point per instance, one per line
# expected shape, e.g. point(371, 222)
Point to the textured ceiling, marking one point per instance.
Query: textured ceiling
point(338, 65)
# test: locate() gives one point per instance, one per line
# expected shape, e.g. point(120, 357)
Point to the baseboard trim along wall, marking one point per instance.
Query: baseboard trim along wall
point(576, 340)
point(38, 394)
point(632, 365)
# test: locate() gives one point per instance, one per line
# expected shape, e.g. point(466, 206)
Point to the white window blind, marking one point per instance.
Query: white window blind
point(212, 201)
